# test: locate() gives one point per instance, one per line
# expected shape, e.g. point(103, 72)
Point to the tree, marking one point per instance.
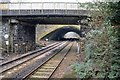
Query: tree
point(115, 39)
point(102, 46)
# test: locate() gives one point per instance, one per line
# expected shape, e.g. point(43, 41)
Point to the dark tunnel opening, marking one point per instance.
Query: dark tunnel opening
point(71, 36)
point(66, 33)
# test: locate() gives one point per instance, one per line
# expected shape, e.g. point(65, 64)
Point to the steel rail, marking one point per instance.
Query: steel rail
point(27, 54)
point(60, 62)
point(55, 46)
point(27, 76)
point(24, 58)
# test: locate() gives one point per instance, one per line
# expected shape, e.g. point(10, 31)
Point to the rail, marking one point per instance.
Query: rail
point(18, 60)
point(46, 71)
point(18, 70)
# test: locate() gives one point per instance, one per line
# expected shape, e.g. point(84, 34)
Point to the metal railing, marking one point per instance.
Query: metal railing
point(41, 8)
point(40, 5)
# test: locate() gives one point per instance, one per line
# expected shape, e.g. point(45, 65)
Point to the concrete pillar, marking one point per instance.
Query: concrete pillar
point(5, 35)
point(0, 38)
point(24, 37)
point(17, 37)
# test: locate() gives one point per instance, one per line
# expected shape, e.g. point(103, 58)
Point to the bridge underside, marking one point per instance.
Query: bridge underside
point(48, 19)
point(21, 29)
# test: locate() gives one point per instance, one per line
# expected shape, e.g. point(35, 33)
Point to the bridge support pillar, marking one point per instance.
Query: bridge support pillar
point(5, 47)
point(18, 37)
point(0, 38)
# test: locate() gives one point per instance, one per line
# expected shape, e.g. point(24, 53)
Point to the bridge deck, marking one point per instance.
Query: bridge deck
point(41, 8)
point(43, 12)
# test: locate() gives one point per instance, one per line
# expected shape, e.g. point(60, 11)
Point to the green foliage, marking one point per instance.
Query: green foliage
point(115, 41)
point(97, 51)
point(83, 70)
point(102, 45)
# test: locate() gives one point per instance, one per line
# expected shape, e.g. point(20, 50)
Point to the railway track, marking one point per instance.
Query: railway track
point(16, 61)
point(12, 68)
point(25, 55)
point(49, 67)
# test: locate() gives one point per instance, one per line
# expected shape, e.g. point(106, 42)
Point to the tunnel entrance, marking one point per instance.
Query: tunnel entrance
point(66, 33)
point(71, 36)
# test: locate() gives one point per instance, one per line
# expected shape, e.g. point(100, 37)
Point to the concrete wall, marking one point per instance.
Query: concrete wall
point(5, 35)
point(0, 38)
point(17, 37)
point(24, 40)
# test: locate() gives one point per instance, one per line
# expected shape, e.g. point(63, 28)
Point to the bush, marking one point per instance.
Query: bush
point(102, 45)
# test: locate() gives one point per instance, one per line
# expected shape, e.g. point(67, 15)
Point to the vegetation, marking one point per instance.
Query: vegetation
point(102, 44)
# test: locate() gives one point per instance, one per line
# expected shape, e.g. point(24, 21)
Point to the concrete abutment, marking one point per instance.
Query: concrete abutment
point(17, 37)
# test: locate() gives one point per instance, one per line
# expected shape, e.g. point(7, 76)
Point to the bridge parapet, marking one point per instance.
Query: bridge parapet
point(42, 5)
point(37, 8)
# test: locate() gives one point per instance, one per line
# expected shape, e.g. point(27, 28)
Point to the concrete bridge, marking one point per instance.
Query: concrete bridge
point(19, 21)
point(44, 13)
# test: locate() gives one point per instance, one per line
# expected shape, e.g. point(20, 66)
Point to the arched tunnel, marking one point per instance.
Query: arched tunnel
point(59, 34)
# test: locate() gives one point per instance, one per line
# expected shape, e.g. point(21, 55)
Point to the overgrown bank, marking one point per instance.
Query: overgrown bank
point(102, 44)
